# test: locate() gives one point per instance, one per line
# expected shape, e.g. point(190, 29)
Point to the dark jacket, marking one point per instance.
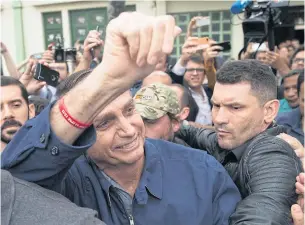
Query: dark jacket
point(292, 121)
point(264, 169)
point(28, 204)
point(178, 186)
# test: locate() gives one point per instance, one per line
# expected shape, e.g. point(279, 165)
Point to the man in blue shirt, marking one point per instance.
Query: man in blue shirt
point(126, 179)
point(290, 100)
point(294, 120)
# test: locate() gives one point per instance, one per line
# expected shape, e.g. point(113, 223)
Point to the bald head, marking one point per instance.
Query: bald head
point(157, 77)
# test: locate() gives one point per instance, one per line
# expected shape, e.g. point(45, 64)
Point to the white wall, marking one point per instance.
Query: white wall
point(33, 23)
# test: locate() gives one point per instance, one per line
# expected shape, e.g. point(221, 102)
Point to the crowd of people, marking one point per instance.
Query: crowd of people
point(131, 137)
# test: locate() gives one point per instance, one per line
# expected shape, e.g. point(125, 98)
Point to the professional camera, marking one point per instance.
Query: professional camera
point(261, 17)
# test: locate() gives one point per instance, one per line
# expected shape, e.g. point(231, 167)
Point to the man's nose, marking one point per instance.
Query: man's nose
point(7, 113)
point(221, 116)
point(126, 128)
point(291, 92)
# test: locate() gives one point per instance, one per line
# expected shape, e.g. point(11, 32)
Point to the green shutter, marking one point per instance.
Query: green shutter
point(82, 21)
point(52, 22)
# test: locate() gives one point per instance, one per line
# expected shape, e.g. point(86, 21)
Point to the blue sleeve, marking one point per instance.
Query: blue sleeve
point(226, 196)
point(37, 155)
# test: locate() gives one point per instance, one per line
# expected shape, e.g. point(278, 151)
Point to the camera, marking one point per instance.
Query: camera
point(261, 17)
point(59, 55)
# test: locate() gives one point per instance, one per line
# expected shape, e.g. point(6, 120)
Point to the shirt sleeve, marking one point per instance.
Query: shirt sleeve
point(270, 170)
point(178, 69)
point(37, 155)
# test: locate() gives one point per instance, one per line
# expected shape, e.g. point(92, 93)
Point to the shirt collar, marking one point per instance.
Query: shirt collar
point(151, 178)
point(194, 92)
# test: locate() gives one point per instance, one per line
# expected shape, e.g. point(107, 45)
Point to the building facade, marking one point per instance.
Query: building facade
point(27, 27)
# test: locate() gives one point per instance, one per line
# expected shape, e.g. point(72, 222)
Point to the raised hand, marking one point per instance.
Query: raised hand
point(32, 85)
point(92, 40)
point(211, 51)
point(135, 43)
point(189, 48)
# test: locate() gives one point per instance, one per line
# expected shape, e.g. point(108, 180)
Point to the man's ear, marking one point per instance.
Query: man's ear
point(32, 111)
point(184, 113)
point(271, 109)
point(176, 125)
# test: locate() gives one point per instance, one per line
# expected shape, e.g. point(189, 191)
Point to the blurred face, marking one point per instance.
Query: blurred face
point(236, 113)
point(14, 112)
point(290, 91)
point(157, 77)
point(298, 61)
point(163, 128)
point(194, 75)
point(301, 99)
point(120, 134)
point(261, 56)
point(184, 111)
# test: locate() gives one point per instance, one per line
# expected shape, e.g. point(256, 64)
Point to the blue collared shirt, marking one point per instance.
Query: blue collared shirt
point(179, 185)
point(292, 121)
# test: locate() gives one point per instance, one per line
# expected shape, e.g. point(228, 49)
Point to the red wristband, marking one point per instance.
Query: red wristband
point(69, 118)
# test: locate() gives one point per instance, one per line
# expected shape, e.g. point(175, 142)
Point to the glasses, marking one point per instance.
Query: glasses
point(298, 60)
point(198, 70)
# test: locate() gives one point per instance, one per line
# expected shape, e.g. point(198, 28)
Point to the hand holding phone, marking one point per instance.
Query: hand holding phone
point(226, 46)
point(44, 73)
point(92, 49)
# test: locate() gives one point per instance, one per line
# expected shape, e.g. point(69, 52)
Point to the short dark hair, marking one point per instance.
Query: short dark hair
point(185, 102)
point(290, 74)
point(261, 78)
point(300, 81)
point(71, 81)
point(300, 49)
point(197, 58)
point(10, 81)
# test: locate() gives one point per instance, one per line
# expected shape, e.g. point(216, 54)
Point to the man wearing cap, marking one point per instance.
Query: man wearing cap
point(158, 106)
point(93, 150)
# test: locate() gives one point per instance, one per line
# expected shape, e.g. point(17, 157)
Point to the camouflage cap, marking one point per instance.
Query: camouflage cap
point(155, 100)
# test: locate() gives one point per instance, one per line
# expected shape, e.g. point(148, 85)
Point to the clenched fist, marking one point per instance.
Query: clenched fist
point(135, 43)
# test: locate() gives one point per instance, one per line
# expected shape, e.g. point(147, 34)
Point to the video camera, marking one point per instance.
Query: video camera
point(261, 18)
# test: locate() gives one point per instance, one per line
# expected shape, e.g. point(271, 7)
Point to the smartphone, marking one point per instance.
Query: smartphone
point(203, 21)
point(92, 49)
point(225, 45)
point(46, 74)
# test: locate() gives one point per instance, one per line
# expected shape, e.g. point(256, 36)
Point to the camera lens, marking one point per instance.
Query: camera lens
point(53, 78)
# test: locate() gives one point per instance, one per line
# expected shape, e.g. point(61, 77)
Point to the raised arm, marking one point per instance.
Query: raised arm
point(46, 147)
point(10, 64)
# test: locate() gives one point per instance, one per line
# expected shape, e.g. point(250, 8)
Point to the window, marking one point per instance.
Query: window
point(82, 21)
point(52, 27)
point(219, 29)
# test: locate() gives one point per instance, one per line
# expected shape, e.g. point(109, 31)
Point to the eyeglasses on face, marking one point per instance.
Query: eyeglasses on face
point(198, 70)
point(298, 60)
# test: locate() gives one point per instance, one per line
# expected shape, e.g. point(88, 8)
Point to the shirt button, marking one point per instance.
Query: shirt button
point(42, 138)
point(54, 150)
